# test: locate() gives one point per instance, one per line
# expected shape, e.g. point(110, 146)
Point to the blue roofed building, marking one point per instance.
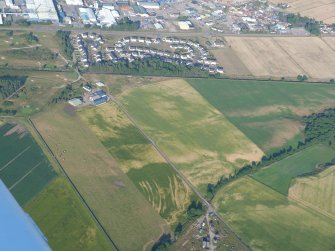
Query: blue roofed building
point(99, 97)
point(17, 230)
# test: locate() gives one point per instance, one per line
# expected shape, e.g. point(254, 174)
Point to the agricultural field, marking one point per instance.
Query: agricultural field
point(280, 174)
point(317, 191)
point(64, 220)
point(321, 10)
point(285, 57)
point(268, 220)
point(267, 112)
point(202, 143)
point(157, 181)
point(23, 167)
point(108, 191)
point(233, 65)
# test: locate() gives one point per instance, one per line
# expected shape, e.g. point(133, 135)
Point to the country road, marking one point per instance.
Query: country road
point(209, 206)
point(54, 28)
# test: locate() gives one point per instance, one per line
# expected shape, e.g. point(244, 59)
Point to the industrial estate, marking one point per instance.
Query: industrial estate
point(168, 125)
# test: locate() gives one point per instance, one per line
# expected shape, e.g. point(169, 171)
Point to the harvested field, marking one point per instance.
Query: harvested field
point(157, 181)
point(321, 10)
point(231, 62)
point(317, 191)
point(267, 112)
point(285, 57)
point(263, 57)
point(280, 174)
point(23, 167)
point(268, 220)
point(64, 220)
point(110, 194)
point(197, 138)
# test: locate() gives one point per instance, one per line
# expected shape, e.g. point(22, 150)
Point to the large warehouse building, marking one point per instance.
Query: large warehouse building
point(42, 10)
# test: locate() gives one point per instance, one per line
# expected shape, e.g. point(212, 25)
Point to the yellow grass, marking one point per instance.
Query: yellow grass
point(286, 57)
point(317, 191)
point(111, 195)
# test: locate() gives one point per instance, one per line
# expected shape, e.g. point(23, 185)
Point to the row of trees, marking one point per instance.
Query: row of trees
point(65, 94)
point(296, 20)
point(149, 67)
point(319, 128)
point(64, 39)
point(10, 84)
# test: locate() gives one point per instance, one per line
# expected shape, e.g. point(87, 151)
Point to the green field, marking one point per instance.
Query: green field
point(123, 211)
point(317, 191)
point(64, 220)
point(280, 174)
point(197, 138)
point(269, 221)
point(23, 167)
point(267, 112)
point(167, 193)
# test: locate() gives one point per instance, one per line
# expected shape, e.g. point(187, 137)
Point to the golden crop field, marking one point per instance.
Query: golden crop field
point(322, 10)
point(285, 57)
point(316, 191)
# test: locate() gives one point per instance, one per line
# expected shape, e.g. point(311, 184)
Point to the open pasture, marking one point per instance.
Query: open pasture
point(157, 181)
point(267, 220)
point(202, 143)
point(107, 190)
point(64, 220)
point(317, 191)
point(280, 174)
point(39, 88)
point(285, 57)
point(23, 167)
point(321, 10)
point(267, 112)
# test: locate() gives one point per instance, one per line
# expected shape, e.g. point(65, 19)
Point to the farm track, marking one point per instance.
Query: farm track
point(96, 219)
point(210, 208)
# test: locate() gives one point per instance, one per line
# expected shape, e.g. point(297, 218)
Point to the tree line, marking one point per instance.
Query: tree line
point(152, 66)
point(64, 40)
point(296, 20)
point(318, 128)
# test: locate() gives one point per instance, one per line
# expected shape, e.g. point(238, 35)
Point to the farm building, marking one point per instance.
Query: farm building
point(75, 101)
point(100, 84)
point(87, 88)
point(99, 97)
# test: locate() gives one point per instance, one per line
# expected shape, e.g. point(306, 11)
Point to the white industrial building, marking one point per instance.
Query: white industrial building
point(149, 5)
point(115, 13)
point(183, 25)
point(42, 10)
point(87, 15)
point(106, 17)
point(74, 2)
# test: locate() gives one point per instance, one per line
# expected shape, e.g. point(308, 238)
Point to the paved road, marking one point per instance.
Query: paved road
point(210, 208)
point(54, 28)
